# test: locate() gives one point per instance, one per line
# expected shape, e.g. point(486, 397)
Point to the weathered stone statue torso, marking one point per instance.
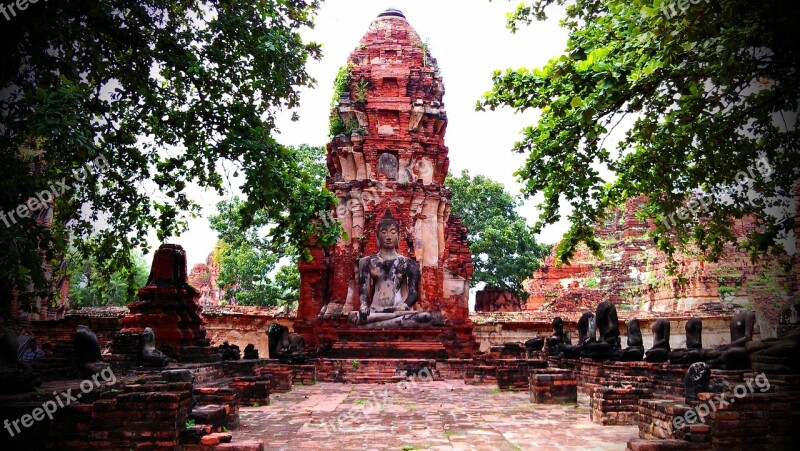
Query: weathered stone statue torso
point(388, 284)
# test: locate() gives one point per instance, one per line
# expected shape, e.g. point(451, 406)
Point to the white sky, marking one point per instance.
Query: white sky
point(470, 40)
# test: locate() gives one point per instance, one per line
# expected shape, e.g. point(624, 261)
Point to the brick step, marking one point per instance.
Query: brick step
point(211, 414)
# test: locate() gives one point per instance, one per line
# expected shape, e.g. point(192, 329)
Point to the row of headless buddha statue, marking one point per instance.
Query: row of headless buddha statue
point(599, 339)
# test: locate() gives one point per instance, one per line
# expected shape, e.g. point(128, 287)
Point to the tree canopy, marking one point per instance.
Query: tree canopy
point(712, 92)
point(90, 285)
point(504, 250)
point(255, 268)
point(168, 95)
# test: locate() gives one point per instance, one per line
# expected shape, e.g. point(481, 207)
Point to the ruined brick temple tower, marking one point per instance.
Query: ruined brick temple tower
point(388, 153)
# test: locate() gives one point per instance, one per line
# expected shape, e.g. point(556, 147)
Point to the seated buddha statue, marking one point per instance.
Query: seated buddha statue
point(388, 284)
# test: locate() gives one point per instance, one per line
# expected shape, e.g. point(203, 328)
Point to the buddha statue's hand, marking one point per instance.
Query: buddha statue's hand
point(363, 312)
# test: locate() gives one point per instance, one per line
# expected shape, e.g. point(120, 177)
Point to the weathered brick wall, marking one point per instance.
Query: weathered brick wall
point(553, 387)
point(632, 274)
point(664, 379)
point(616, 405)
point(755, 421)
point(104, 322)
point(495, 300)
point(241, 325)
point(238, 325)
point(148, 416)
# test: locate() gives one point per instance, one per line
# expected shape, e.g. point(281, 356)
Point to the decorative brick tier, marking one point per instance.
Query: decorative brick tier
point(616, 405)
point(556, 387)
point(388, 344)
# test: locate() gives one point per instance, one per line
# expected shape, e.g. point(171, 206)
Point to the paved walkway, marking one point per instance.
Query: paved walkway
point(445, 415)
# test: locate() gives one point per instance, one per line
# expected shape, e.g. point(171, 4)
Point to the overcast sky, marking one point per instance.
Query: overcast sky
point(470, 40)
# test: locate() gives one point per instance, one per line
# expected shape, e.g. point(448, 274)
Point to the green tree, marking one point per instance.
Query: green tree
point(90, 285)
point(169, 95)
point(251, 276)
point(504, 250)
point(255, 269)
point(712, 93)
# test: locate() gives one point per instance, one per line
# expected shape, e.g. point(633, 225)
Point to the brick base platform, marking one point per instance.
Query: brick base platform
point(364, 371)
point(616, 406)
point(554, 388)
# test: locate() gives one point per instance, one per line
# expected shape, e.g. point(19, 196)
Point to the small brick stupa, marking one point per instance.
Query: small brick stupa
point(167, 303)
point(389, 155)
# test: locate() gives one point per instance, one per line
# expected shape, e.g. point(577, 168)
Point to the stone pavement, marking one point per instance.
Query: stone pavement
point(445, 415)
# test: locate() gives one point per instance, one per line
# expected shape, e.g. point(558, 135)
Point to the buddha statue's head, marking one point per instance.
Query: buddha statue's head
point(388, 232)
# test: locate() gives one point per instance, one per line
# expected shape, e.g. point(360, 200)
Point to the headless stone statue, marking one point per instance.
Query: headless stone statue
point(285, 346)
point(557, 338)
point(535, 344)
point(87, 352)
point(776, 355)
point(148, 354)
point(635, 350)
point(228, 351)
point(586, 334)
point(250, 352)
point(202, 341)
point(734, 356)
point(608, 344)
point(388, 284)
point(694, 344)
point(659, 353)
point(696, 381)
point(15, 376)
point(742, 325)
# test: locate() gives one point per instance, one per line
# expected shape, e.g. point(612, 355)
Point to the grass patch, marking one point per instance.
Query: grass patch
point(360, 402)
